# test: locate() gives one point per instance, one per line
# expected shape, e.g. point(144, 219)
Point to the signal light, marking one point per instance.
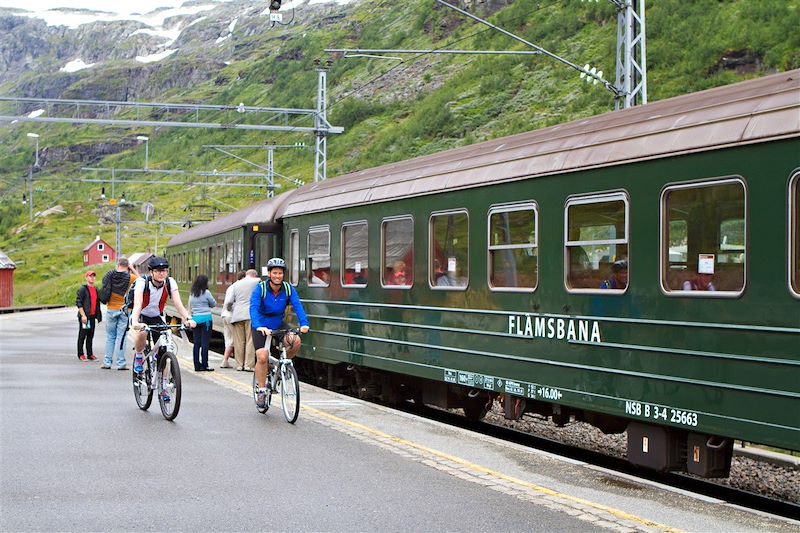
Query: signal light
point(274, 5)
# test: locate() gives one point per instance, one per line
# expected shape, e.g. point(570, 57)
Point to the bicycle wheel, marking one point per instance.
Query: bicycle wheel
point(290, 393)
point(255, 396)
point(141, 387)
point(169, 385)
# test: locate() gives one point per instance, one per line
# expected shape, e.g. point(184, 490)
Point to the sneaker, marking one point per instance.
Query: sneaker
point(138, 363)
point(105, 366)
point(165, 396)
point(82, 357)
point(92, 358)
point(226, 364)
point(248, 369)
point(261, 398)
point(123, 367)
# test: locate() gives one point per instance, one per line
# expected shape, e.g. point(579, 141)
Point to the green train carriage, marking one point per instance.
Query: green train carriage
point(474, 275)
point(528, 228)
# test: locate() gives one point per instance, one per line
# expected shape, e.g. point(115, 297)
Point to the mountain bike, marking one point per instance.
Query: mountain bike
point(161, 373)
point(281, 378)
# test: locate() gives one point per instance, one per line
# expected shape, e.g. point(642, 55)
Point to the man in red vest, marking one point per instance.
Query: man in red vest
point(88, 312)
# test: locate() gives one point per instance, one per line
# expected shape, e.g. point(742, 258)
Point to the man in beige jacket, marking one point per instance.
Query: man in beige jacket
point(237, 302)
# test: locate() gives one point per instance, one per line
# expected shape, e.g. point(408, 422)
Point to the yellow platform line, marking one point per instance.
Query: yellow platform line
point(467, 465)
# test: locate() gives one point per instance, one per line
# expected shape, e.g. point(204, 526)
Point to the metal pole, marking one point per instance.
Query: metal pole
point(320, 154)
point(146, 152)
point(119, 236)
point(30, 194)
point(270, 172)
point(37, 153)
point(113, 192)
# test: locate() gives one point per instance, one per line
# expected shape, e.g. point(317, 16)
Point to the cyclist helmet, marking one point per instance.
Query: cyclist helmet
point(276, 262)
point(158, 263)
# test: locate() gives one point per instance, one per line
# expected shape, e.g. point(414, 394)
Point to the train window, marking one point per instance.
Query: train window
point(703, 238)
point(221, 270)
point(448, 257)
point(230, 276)
point(513, 247)
point(239, 257)
point(596, 243)
point(397, 243)
point(355, 256)
point(319, 256)
point(294, 257)
point(794, 234)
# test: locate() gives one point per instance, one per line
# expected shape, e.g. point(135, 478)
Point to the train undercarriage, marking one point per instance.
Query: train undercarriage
point(650, 446)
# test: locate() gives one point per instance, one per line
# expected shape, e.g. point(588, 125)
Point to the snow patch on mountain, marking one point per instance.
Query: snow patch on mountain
point(73, 18)
point(156, 57)
point(76, 65)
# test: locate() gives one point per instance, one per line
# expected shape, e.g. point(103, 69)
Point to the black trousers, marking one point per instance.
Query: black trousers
point(200, 340)
point(86, 335)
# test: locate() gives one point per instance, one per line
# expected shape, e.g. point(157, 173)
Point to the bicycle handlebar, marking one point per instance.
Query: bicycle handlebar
point(161, 328)
point(284, 331)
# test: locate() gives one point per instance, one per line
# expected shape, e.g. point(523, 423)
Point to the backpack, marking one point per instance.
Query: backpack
point(128, 305)
point(104, 294)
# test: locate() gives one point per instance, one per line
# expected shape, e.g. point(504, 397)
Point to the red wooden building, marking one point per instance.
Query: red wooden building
point(7, 267)
point(98, 252)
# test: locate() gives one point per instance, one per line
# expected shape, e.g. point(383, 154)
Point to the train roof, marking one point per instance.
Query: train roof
point(758, 110)
point(258, 213)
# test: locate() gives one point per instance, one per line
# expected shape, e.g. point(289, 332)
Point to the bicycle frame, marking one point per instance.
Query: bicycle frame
point(161, 374)
point(282, 379)
point(164, 340)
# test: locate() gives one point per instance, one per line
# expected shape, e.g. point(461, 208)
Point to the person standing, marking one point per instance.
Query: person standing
point(227, 328)
point(116, 283)
point(88, 312)
point(237, 301)
point(200, 303)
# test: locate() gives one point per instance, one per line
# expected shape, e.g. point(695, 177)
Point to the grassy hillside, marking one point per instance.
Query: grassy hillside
point(391, 110)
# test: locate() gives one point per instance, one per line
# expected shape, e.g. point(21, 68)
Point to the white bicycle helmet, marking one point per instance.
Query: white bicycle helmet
point(276, 262)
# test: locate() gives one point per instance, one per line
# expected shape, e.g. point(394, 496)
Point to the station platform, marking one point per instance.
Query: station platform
point(86, 458)
point(589, 497)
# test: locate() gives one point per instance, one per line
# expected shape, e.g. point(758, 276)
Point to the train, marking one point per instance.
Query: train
point(637, 270)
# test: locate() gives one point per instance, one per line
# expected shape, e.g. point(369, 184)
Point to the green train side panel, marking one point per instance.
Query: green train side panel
point(724, 366)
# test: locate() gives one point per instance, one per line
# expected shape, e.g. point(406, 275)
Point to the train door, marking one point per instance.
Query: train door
point(263, 246)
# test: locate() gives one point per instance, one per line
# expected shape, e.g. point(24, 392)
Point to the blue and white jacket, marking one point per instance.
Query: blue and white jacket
point(268, 311)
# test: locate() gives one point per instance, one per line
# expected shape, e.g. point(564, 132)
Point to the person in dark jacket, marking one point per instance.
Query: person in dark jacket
point(88, 313)
point(116, 284)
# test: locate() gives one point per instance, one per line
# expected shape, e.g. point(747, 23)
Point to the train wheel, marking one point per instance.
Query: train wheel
point(476, 406)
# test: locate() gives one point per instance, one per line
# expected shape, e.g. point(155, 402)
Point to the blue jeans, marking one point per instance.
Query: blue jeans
point(116, 322)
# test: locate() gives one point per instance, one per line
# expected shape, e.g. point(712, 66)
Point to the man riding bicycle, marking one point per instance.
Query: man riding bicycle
point(267, 307)
point(148, 307)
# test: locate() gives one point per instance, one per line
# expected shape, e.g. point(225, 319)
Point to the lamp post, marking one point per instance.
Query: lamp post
point(146, 140)
point(29, 200)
